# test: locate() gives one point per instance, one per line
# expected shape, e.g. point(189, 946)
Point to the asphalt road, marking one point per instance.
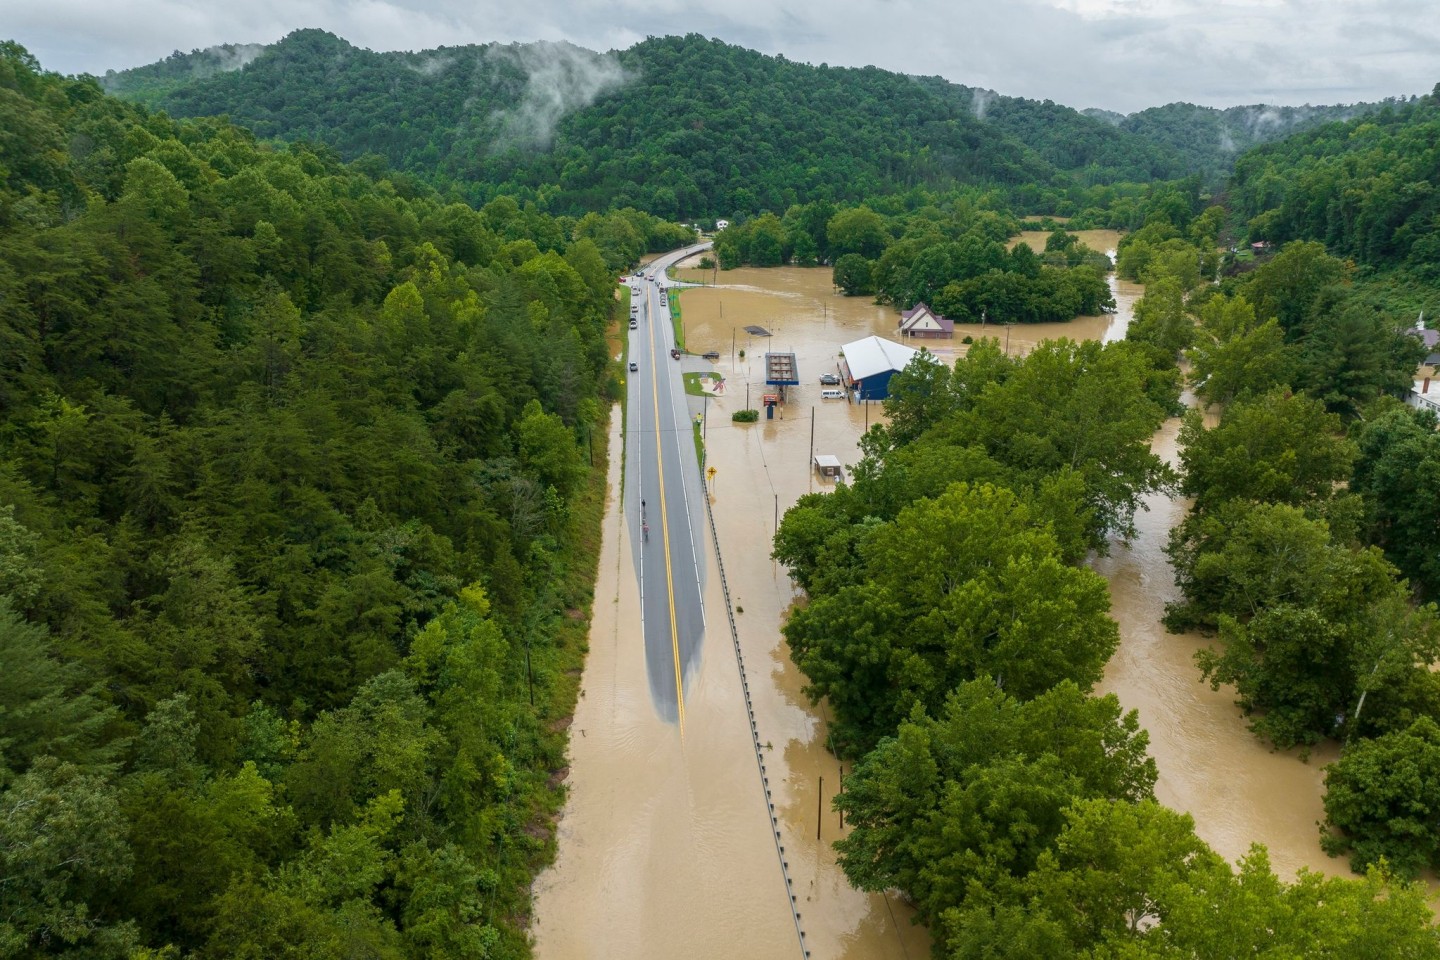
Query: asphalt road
point(663, 492)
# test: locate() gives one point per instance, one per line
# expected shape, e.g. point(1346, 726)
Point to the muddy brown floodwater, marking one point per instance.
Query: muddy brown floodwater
point(664, 846)
point(1211, 766)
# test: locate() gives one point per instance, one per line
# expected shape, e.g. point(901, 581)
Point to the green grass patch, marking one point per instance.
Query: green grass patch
point(699, 444)
point(675, 322)
point(695, 383)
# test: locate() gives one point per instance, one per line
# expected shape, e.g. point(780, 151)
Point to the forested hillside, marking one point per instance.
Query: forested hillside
point(1366, 189)
point(1209, 140)
point(683, 127)
point(295, 506)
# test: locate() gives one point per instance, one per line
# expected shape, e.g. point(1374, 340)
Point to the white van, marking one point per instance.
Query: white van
point(832, 394)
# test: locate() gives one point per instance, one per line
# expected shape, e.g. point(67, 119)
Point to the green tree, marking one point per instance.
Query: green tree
point(857, 230)
point(1276, 448)
point(1081, 407)
point(1234, 356)
point(548, 449)
point(852, 274)
point(964, 585)
point(1381, 797)
point(971, 800)
point(62, 844)
point(1288, 287)
point(1398, 475)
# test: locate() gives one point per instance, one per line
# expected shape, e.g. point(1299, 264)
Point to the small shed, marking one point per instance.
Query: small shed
point(867, 366)
point(920, 321)
point(829, 467)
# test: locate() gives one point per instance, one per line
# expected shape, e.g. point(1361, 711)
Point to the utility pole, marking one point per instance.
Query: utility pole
point(812, 435)
point(819, 799)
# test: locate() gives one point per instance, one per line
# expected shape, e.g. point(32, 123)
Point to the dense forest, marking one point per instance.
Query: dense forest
point(681, 127)
point(1366, 189)
point(691, 127)
point(296, 539)
point(1209, 140)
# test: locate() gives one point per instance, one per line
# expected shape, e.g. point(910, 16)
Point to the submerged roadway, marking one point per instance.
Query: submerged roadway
point(663, 492)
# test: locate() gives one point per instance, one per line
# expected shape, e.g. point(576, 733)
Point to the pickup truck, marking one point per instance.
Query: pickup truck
point(711, 354)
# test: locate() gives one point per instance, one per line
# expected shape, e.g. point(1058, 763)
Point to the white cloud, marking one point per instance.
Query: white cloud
point(1119, 54)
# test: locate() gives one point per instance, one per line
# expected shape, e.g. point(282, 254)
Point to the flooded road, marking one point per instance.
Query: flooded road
point(664, 844)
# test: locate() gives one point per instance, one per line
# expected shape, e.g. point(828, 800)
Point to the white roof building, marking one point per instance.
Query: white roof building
point(869, 364)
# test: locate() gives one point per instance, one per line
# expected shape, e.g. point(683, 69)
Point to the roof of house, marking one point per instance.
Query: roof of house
point(1431, 337)
point(827, 460)
point(873, 355)
point(914, 313)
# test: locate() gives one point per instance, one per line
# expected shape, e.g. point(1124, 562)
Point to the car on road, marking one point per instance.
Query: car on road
point(829, 380)
point(634, 323)
point(634, 366)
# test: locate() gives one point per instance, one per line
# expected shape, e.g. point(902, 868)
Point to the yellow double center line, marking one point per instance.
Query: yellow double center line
point(664, 516)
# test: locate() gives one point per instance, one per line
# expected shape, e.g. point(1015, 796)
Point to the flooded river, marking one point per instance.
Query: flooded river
point(664, 845)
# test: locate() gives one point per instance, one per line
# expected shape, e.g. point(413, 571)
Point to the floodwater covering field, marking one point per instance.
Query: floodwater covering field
point(665, 847)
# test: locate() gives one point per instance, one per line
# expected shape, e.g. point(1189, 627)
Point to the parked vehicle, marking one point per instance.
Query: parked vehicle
point(829, 380)
point(674, 353)
point(832, 394)
point(711, 354)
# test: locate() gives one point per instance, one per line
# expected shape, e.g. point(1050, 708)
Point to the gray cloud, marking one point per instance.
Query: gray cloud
point(560, 77)
point(1117, 54)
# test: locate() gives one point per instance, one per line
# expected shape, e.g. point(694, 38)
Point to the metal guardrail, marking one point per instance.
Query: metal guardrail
point(754, 731)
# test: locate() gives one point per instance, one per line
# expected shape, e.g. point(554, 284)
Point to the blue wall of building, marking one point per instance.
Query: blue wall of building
point(875, 387)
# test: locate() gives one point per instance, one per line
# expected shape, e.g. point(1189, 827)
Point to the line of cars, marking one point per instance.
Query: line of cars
point(634, 313)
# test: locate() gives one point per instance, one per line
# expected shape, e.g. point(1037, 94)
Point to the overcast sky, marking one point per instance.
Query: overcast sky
point(1119, 54)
